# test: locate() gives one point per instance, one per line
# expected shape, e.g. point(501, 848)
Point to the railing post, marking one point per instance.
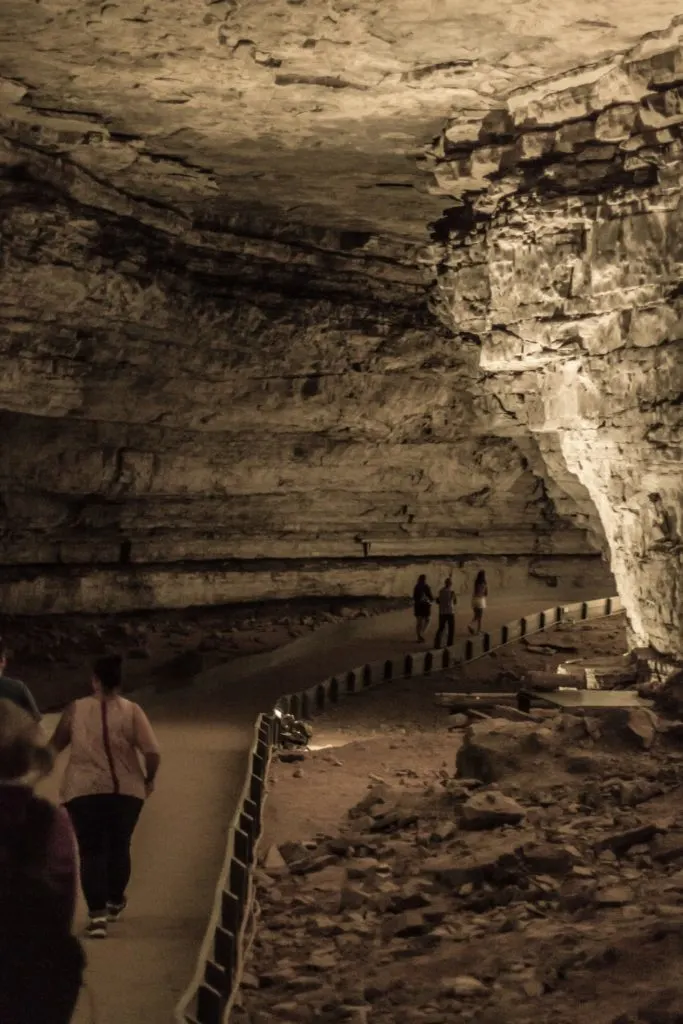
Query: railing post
point(209, 1005)
point(408, 666)
point(351, 682)
point(225, 950)
point(252, 809)
point(215, 977)
point(429, 660)
point(367, 676)
point(256, 786)
point(242, 846)
point(388, 670)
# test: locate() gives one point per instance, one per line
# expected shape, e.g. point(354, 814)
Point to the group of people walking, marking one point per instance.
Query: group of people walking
point(112, 765)
point(423, 599)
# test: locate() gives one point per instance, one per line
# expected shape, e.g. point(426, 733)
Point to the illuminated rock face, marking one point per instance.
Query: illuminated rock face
point(571, 279)
point(225, 357)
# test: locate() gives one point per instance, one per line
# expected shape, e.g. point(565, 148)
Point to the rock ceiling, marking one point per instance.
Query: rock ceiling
point(305, 110)
point(282, 276)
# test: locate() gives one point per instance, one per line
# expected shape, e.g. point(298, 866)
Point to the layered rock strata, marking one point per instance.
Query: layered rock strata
point(193, 417)
point(563, 258)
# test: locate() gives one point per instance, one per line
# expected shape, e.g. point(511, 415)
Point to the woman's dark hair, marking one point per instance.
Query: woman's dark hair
point(422, 578)
point(108, 671)
point(481, 578)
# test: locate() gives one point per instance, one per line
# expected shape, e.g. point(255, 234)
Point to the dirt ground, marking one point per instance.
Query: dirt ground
point(52, 654)
point(421, 868)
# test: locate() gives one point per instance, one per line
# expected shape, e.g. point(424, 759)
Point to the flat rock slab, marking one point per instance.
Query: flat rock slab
point(490, 809)
point(594, 699)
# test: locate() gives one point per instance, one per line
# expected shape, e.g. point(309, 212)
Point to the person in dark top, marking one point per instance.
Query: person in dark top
point(446, 601)
point(14, 689)
point(422, 603)
point(41, 961)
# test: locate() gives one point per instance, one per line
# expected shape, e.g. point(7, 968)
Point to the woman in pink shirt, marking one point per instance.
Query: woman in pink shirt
point(41, 963)
point(113, 761)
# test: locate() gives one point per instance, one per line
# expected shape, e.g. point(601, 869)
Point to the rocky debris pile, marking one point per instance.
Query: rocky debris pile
point(547, 872)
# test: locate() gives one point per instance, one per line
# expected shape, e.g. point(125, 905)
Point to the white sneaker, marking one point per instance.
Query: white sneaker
point(96, 927)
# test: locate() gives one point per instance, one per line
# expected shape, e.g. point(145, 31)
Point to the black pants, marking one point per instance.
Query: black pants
point(104, 826)
point(445, 620)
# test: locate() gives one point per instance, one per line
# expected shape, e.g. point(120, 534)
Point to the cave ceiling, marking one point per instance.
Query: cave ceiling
point(301, 111)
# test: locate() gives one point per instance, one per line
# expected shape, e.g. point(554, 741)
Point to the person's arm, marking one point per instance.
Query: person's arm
point(152, 762)
point(146, 742)
point(61, 737)
point(29, 703)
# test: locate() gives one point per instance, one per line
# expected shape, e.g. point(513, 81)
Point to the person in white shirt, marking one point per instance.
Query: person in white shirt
point(113, 760)
point(479, 595)
point(446, 601)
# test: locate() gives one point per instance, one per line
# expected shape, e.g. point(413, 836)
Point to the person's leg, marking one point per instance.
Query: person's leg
point(439, 632)
point(451, 630)
point(89, 819)
point(419, 626)
point(478, 618)
point(125, 814)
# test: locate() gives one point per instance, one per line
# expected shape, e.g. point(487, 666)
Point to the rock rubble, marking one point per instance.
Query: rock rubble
point(474, 900)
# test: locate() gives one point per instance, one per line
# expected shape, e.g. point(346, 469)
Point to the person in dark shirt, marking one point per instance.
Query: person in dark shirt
point(41, 961)
point(446, 601)
point(422, 603)
point(15, 690)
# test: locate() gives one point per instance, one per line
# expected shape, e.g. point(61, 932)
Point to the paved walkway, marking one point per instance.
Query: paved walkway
point(139, 972)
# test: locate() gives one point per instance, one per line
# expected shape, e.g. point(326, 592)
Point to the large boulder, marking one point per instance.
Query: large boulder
point(493, 749)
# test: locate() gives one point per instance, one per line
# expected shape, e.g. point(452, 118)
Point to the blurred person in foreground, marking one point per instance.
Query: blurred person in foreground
point(41, 962)
point(113, 761)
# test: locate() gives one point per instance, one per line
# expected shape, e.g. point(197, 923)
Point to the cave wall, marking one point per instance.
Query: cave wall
point(565, 259)
point(196, 417)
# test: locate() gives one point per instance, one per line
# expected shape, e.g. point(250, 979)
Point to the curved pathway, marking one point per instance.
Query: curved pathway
point(140, 971)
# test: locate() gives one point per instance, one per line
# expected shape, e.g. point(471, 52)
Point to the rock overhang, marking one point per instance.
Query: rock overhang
point(299, 111)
